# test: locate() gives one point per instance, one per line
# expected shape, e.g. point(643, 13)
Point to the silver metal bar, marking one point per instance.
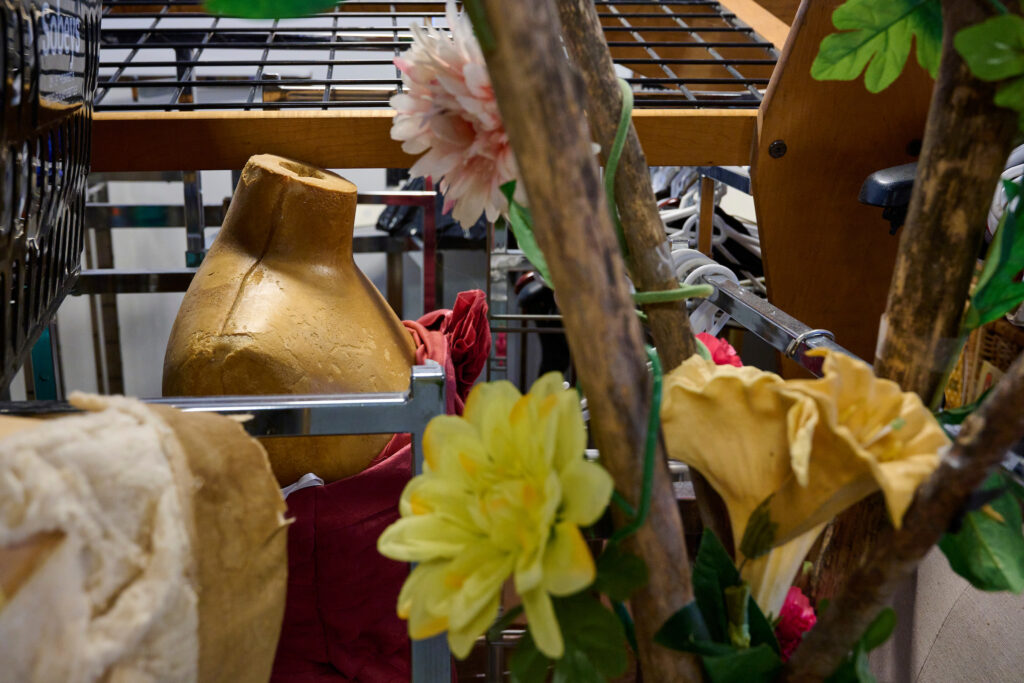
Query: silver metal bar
point(778, 328)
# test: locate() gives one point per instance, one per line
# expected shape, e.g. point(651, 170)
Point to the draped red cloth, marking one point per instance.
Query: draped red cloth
point(340, 622)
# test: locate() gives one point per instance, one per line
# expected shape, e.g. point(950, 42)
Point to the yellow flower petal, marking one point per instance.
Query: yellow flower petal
point(586, 490)
point(571, 439)
point(771, 575)
point(461, 640)
point(568, 564)
point(423, 538)
point(427, 617)
point(476, 577)
point(453, 448)
point(737, 428)
point(540, 614)
point(487, 409)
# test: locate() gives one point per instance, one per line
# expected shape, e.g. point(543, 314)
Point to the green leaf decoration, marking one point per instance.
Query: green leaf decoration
point(879, 630)
point(703, 626)
point(956, 416)
point(993, 49)
point(592, 633)
point(877, 35)
point(268, 9)
point(854, 668)
point(713, 572)
point(759, 536)
point(987, 551)
point(997, 292)
point(528, 664)
point(619, 573)
point(754, 665)
point(521, 222)
point(737, 599)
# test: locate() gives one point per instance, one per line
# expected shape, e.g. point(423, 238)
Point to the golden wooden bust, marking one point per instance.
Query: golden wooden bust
point(279, 307)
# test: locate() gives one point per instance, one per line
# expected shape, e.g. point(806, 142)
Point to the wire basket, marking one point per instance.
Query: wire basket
point(49, 64)
point(989, 350)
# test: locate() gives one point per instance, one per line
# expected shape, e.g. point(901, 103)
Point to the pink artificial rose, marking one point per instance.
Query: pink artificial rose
point(796, 618)
point(722, 352)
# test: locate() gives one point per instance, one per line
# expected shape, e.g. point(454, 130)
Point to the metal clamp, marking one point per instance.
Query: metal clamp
point(803, 337)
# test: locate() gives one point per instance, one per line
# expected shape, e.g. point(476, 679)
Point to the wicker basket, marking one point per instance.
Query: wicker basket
point(998, 344)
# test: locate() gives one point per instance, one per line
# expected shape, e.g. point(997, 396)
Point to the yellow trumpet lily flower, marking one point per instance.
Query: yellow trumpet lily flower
point(504, 492)
point(787, 456)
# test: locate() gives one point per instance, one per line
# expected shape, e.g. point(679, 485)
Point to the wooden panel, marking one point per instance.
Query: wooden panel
point(175, 141)
point(754, 15)
point(783, 9)
point(828, 258)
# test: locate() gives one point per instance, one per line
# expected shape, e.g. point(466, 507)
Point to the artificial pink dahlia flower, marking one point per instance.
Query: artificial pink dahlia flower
point(796, 618)
point(448, 110)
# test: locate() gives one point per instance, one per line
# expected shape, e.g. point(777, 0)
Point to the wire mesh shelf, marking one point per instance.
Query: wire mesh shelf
point(170, 56)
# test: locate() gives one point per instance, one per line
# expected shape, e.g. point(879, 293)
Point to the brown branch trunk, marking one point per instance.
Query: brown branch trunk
point(966, 144)
point(986, 436)
point(650, 260)
point(540, 102)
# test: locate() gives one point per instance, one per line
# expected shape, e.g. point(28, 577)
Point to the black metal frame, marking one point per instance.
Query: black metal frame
point(170, 59)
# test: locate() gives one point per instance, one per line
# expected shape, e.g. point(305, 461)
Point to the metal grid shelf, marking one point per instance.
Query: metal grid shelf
point(170, 56)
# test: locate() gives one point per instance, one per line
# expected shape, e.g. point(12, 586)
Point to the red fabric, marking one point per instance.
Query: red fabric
point(339, 621)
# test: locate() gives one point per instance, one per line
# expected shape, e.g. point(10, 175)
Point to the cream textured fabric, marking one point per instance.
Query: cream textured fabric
point(115, 597)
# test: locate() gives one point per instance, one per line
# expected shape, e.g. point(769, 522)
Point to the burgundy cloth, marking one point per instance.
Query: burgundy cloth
point(339, 621)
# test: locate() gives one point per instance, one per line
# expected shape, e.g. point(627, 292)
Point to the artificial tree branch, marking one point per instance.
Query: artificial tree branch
point(649, 260)
point(982, 444)
point(540, 101)
point(966, 143)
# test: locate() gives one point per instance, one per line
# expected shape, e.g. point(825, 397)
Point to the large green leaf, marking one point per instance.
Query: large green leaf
point(998, 291)
point(987, 551)
point(754, 665)
point(268, 9)
point(854, 668)
point(713, 572)
point(878, 34)
point(993, 49)
point(528, 664)
point(592, 632)
point(521, 222)
point(619, 573)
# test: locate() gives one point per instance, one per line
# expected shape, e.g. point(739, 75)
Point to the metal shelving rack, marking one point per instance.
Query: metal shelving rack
point(168, 56)
point(326, 415)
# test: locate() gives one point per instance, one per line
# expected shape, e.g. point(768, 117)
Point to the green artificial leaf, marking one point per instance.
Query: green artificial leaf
point(687, 631)
point(713, 572)
point(993, 49)
point(268, 9)
point(877, 34)
point(986, 551)
point(854, 668)
point(752, 665)
point(759, 536)
point(521, 222)
point(619, 573)
point(879, 630)
point(737, 599)
point(528, 664)
point(703, 625)
point(997, 291)
point(1011, 483)
point(591, 631)
point(956, 416)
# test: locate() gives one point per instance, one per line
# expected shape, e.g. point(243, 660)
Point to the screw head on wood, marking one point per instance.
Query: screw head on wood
point(777, 149)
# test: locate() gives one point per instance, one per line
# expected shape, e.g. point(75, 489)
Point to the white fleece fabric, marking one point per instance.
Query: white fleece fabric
point(116, 600)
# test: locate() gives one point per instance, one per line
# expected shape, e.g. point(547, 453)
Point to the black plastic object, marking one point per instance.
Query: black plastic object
point(890, 188)
point(49, 65)
point(407, 221)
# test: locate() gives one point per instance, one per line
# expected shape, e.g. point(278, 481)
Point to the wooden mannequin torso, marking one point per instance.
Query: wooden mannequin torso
point(279, 307)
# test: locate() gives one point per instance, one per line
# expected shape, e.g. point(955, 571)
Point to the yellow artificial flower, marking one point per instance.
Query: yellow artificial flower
point(794, 454)
point(504, 492)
